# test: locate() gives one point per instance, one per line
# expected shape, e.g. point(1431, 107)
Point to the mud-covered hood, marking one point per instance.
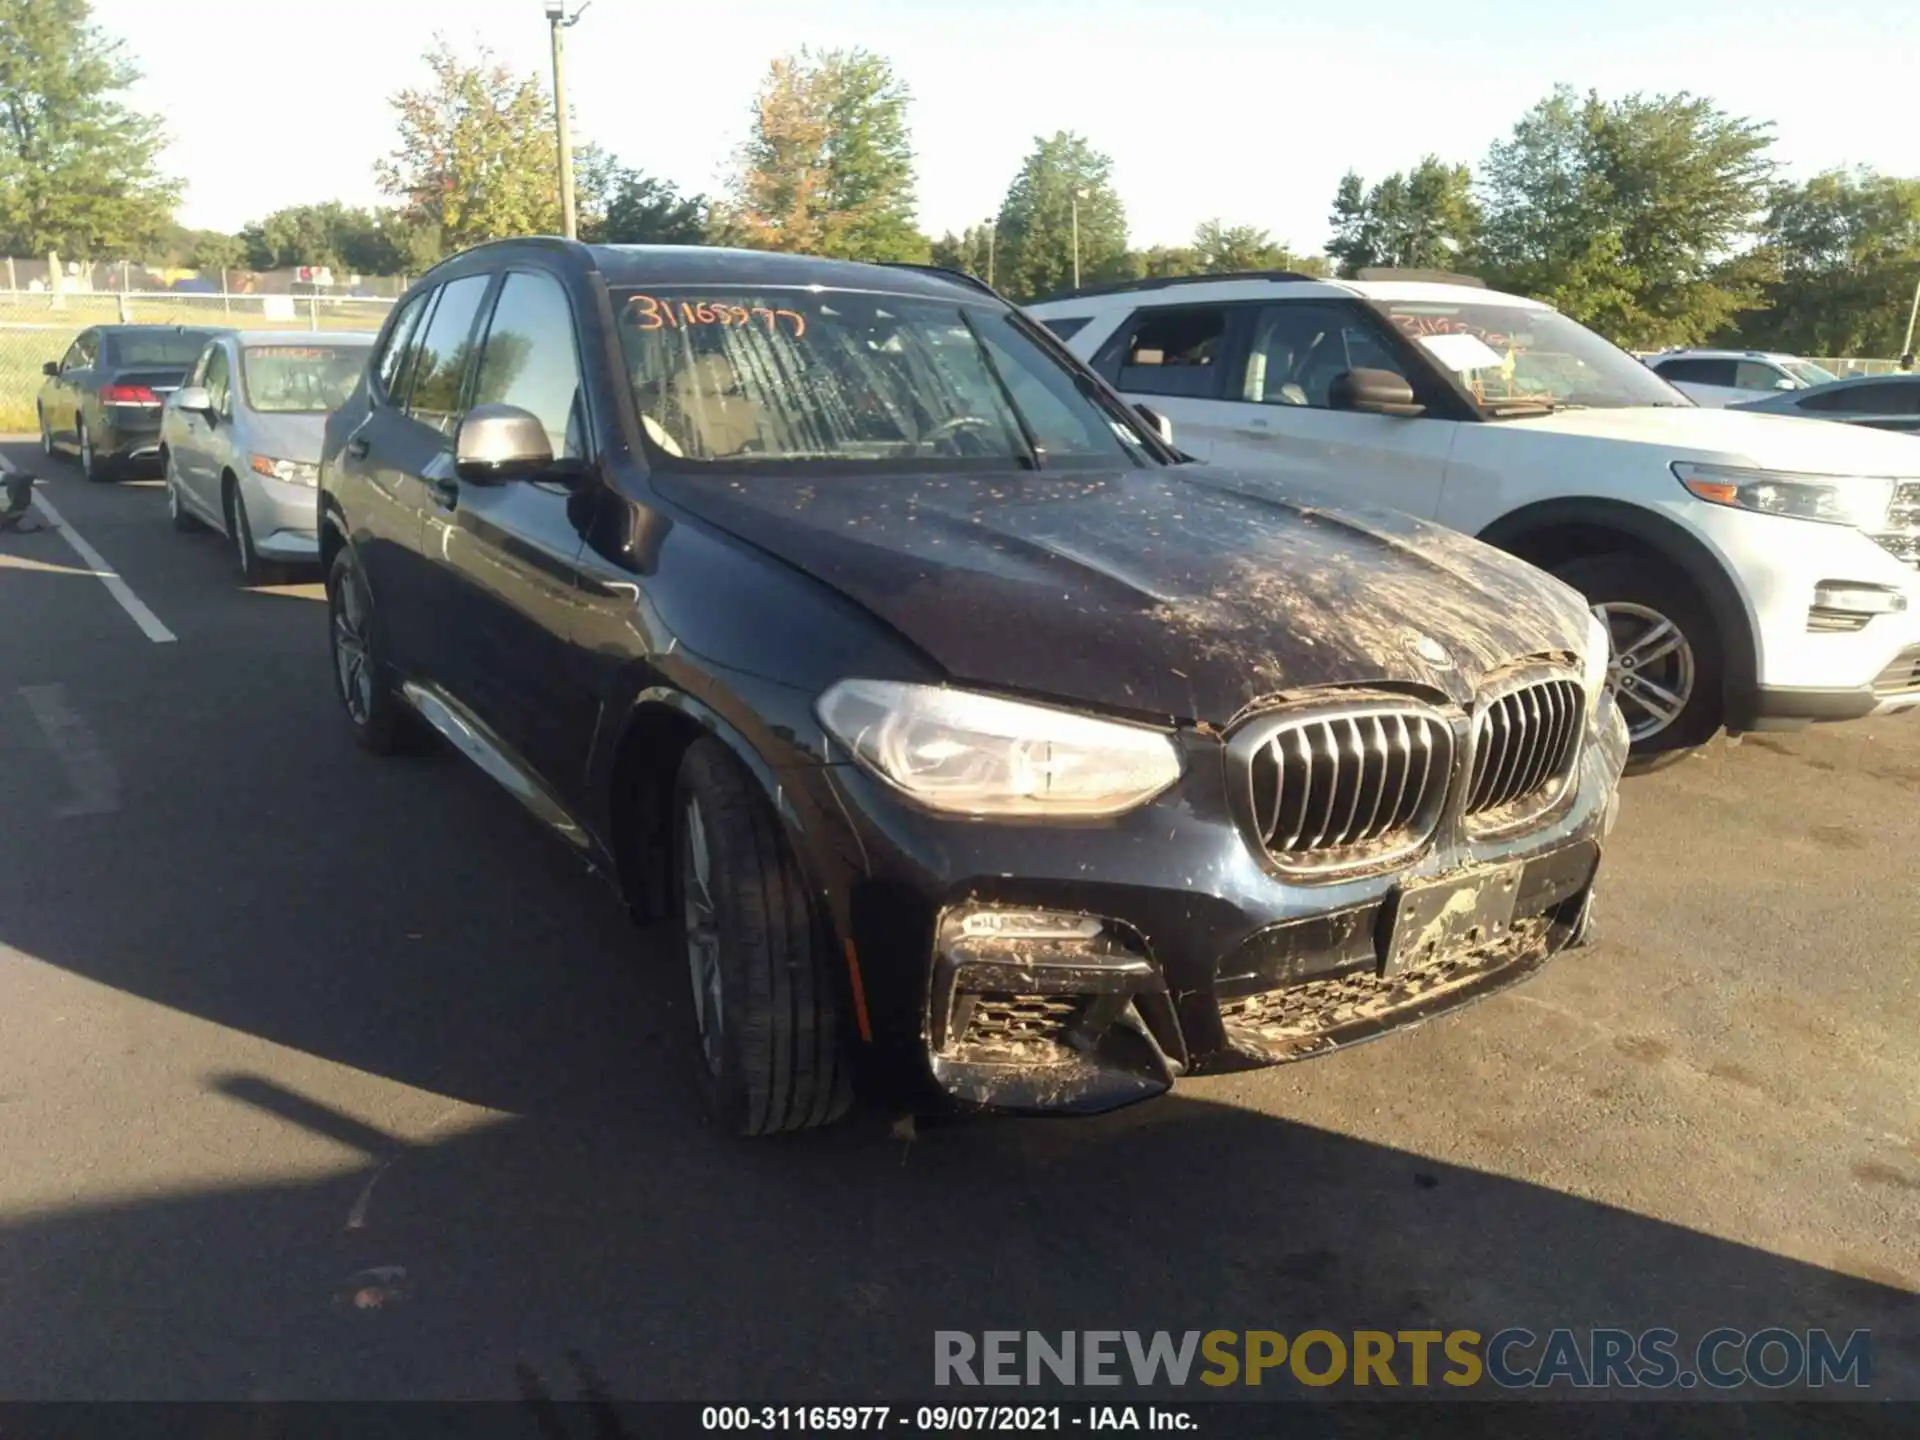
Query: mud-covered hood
point(1186, 592)
point(1737, 437)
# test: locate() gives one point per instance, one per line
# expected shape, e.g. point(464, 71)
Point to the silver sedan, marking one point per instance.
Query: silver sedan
point(240, 440)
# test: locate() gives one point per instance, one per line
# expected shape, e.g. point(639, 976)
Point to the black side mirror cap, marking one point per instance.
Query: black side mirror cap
point(1373, 392)
point(50, 367)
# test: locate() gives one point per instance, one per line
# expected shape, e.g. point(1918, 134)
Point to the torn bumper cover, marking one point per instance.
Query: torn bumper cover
point(1077, 970)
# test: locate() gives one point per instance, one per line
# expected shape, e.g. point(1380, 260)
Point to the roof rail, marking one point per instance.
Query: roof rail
point(946, 272)
point(1432, 277)
point(1161, 282)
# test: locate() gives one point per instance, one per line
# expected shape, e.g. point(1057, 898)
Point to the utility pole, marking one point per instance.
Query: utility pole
point(993, 229)
point(558, 20)
point(1906, 350)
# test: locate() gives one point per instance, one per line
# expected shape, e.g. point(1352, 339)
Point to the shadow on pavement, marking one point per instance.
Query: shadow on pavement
point(675, 1264)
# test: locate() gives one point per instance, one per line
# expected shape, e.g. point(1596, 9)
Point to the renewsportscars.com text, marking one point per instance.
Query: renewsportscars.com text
point(1514, 1358)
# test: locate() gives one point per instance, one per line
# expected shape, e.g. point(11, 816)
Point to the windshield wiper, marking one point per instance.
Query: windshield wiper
point(1030, 442)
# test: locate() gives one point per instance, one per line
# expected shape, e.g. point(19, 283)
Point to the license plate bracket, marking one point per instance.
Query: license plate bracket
point(1434, 919)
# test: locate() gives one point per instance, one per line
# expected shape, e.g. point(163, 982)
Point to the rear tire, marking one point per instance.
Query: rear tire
point(381, 723)
point(1667, 671)
point(770, 1034)
point(91, 465)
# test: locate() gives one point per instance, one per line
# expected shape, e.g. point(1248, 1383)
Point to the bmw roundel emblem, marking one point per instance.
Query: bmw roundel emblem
point(1431, 651)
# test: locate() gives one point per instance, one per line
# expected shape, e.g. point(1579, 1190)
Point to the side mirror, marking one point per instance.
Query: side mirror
point(500, 443)
point(195, 398)
point(50, 367)
point(1786, 383)
point(1376, 392)
point(1156, 422)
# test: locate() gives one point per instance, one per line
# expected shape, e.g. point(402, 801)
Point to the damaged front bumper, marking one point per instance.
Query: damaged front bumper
point(1077, 969)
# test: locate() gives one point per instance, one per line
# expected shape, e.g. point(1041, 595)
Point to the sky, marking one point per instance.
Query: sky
point(1245, 112)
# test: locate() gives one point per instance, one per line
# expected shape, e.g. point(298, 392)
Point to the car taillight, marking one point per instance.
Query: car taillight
point(127, 395)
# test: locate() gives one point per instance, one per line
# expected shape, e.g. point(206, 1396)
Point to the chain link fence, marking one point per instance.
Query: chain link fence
point(38, 326)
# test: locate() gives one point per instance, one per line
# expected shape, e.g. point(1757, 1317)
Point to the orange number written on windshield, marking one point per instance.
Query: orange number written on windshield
point(651, 313)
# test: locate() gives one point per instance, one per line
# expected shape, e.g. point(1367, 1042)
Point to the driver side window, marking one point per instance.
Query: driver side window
point(1299, 348)
point(80, 354)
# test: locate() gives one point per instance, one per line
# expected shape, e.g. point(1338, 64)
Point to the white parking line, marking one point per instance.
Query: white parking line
point(90, 770)
point(148, 622)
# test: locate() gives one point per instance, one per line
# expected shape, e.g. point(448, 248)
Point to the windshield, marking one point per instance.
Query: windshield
point(751, 378)
point(1808, 373)
point(177, 348)
point(301, 379)
point(1510, 356)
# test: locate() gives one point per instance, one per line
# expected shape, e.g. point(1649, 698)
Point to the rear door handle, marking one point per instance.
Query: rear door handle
point(358, 447)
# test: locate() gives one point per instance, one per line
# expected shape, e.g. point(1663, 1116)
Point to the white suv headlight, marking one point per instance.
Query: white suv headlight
point(973, 754)
point(294, 472)
point(1593, 666)
point(1858, 500)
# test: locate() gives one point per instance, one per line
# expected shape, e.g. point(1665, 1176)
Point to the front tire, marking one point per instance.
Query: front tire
point(381, 725)
point(1666, 671)
point(767, 1016)
point(183, 519)
point(253, 570)
point(46, 432)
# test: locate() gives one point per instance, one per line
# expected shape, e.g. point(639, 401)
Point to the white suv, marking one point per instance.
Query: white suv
point(1722, 377)
point(1756, 571)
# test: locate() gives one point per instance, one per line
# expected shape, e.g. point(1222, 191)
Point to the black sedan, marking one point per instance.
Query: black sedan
point(1882, 402)
point(103, 398)
point(969, 735)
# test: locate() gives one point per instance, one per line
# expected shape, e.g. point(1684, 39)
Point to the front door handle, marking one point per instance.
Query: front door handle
point(445, 491)
point(358, 447)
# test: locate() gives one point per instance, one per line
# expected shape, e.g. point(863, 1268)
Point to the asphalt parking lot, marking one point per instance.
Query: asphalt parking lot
point(275, 1015)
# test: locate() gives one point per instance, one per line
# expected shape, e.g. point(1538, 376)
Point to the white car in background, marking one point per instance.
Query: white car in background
point(1721, 377)
point(1755, 571)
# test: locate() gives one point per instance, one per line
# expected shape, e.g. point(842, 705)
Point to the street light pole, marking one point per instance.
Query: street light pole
point(558, 20)
point(1076, 239)
point(993, 229)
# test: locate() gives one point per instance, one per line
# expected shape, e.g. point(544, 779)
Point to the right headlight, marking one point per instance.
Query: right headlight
point(1858, 500)
point(970, 754)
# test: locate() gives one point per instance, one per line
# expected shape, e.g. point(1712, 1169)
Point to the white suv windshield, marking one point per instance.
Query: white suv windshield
point(1808, 373)
point(1512, 359)
point(792, 376)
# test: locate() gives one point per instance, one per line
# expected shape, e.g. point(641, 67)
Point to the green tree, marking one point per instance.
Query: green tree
point(828, 166)
point(1840, 257)
point(1063, 175)
point(213, 251)
point(475, 159)
point(78, 170)
point(1628, 214)
point(1421, 219)
point(975, 250)
point(636, 209)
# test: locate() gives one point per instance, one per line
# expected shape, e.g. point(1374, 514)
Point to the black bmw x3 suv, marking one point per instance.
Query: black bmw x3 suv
point(967, 730)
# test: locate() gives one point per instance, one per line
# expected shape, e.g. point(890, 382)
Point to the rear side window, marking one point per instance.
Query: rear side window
point(1889, 397)
point(1067, 326)
point(81, 353)
point(386, 370)
point(1169, 350)
point(1697, 372)
point(440, 364)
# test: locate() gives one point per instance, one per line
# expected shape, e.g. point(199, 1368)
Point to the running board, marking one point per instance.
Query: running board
point(479, 744)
